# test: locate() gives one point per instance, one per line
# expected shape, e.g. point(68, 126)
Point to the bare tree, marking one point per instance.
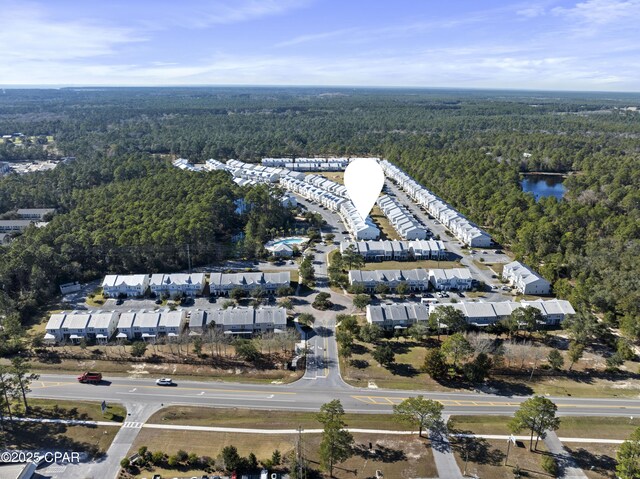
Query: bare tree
point(480, 343)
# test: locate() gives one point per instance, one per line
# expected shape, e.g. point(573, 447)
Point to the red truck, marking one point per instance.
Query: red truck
point(90, 377)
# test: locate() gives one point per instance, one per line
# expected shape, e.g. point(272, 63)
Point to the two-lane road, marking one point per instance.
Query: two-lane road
point(299, 397)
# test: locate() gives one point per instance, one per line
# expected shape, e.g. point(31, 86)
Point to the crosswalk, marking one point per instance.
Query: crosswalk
point(132, 424)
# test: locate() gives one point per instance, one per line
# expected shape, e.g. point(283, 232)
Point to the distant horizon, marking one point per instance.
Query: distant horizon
point(310, 86)
point(530, 45)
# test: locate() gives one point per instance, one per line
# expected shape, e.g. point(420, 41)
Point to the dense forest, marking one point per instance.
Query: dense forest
point(122, 206)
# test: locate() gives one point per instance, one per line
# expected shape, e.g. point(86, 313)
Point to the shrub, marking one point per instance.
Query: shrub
point(125, 463)
point(549, 465)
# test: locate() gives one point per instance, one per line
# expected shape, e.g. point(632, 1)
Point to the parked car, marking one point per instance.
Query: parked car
point(164, 382)
point(158, 301)
point(120, 301)
point(212, 299)
point(90, 377)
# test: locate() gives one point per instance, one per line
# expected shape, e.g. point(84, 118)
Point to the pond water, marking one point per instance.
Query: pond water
point(542, 185)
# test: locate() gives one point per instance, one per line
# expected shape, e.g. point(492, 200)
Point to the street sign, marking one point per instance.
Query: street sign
point(103, 406)
point(512, 438)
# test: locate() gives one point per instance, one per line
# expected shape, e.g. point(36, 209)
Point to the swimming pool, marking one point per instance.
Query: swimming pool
point(295, 240)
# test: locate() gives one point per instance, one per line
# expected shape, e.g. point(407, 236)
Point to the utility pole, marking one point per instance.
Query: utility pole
point(302, 470)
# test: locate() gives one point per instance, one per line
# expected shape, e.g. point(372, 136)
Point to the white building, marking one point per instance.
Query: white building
point(74, 326)
point(482, 314)
point(34, 214)
point(524, 279)
point(115, 285)
point(177, 284)
point(359, 228)
point(416, 279)
point(222, 283)
point(397, 315)
point(451, 279)
point(151, 324)
point(308, 164)
point(247, 321)
point(407, 226)
point(393, 250)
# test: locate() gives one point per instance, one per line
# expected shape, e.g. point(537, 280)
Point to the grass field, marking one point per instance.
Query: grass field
point(198, 416)
point(83, 410)
point(386, 230)
point(335, 176)
point(424, 264)
point(398, 457)
point(487, 460)
point(59, 437)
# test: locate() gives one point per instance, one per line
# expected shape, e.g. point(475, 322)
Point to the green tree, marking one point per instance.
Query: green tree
point(448, 317)
point(237, 294)
point(402, 289)
point(361, 301)
point(23, 377)
point(306, 319)
point(628, 457)
point(348, 322)
point(138, 349)
point(457, 348)
point(418, 331)
point(478, 370)
point(246, 350)
point(370, 333)
point(382, 288)
point(435, 364)
point(384, 355)
point(230, 458)
point(537, 415)
point(424, 413)
point(322, 302)
point(575, 352)
point(556, 361)
point(276, 457)
point(286, 303)
point(337, 443)
point(125, 463)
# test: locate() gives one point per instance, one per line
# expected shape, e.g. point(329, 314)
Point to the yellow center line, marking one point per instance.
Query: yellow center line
point(130, 386)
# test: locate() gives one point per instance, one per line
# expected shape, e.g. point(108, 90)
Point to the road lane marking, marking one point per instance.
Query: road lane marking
point(209, 396)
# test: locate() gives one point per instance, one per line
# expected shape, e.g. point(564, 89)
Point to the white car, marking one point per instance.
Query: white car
point(165, 382)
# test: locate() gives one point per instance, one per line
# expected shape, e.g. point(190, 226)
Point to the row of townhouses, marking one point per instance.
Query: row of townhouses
point(102, 326)
point(393, 250)
point(403, 315)
point(416, 279)
point(326, 184)
point(463, 229)
point(308, 164)
point(222, 283)
point(524, 279)
point(407, 226)
point(240, 321)
point(178, 284)
point(313, 193)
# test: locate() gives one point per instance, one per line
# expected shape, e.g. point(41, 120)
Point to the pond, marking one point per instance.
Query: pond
point(543, 185)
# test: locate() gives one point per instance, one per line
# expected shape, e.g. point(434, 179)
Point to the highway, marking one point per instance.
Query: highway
point(304, 395)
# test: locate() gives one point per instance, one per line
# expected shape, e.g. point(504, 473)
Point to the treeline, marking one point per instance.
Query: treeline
point(163, 221)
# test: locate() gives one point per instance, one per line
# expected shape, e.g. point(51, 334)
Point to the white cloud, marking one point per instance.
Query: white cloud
point(602, 12)
point(29, 33)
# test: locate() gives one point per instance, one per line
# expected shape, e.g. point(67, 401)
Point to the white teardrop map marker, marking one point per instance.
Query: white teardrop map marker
point(364, 180)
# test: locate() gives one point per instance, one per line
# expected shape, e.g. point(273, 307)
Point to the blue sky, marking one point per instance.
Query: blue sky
point(552, 45)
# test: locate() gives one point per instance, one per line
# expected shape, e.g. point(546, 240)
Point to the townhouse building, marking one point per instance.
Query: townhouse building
point(115, 285)
point(524, 279)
